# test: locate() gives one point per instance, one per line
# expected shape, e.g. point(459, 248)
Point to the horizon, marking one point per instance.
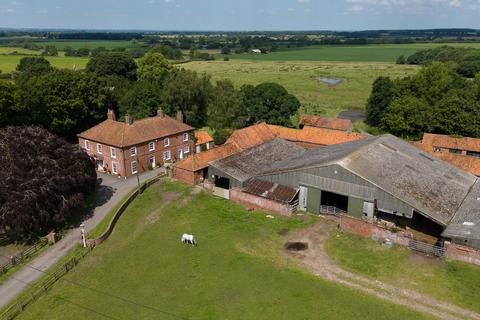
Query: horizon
point(249, 15)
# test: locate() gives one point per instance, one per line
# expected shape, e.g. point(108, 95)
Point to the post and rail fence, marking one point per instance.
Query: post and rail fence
point(21, 257)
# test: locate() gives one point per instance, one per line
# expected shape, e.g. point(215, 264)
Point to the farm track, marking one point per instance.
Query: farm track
point(319, 263)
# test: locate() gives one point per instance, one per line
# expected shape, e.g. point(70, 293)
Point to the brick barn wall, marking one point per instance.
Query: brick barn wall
point(366, 229)
point(184, 175)
point(260, 203)
point(462, 253)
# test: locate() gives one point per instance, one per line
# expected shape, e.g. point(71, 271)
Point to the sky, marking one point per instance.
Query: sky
point(240, 14)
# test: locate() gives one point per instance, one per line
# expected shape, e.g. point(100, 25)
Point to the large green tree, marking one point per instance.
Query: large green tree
point(141, 100)
point(382, 95)
point(64, 102)
point(10, 109)
point(188, 92)
point(226, 108)
point(113, 63)
point(153, 67)
point(269, 102)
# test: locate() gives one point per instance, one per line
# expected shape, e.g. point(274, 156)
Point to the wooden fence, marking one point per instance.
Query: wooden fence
point(39, 288)
point(21, 257)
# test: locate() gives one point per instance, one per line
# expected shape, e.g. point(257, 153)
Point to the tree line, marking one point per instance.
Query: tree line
point(67, 102)
point(465, 61)
point(437, 100)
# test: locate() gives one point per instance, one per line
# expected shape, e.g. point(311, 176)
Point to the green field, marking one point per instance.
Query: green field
point(9, 63)
point(75, 44)
point(365, 53)
point(454, 282)
point(236, 272)
point(300, 78)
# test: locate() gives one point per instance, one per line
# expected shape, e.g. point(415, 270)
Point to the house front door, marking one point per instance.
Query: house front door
point(152, 161)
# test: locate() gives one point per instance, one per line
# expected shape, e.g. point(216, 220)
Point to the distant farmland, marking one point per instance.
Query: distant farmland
point(365, 53)
point(301, 79)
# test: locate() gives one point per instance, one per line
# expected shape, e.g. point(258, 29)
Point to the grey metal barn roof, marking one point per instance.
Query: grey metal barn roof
point(248, 163)
point(432, 186)
point(466, 222)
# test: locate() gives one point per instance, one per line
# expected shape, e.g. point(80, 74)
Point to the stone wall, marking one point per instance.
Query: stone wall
point(256, 202)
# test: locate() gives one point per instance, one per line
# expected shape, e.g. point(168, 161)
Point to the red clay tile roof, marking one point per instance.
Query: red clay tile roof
point(251, 136)
point(200, 160)
point(119, 134)
point(202, 137)
point(467, 163)
point(318, 136)
point(260, 133)
point(327, 123)
point(444, 141)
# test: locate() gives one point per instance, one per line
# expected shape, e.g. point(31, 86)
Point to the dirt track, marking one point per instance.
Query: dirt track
point(320, 264)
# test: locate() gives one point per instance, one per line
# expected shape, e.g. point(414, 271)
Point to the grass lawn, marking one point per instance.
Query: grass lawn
point(451, 281)
point(236, 272)
point(365, 53)
point(300, 78)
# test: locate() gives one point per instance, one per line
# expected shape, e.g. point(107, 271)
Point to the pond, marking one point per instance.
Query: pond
point(330, 81)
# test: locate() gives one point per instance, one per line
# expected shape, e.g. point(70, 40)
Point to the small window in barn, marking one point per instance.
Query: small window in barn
point(185, 137)
point(167, 155)
point(134, 167)
point(113, 152)
point(457, 151)
point(151, 146)
point(166, 142)
point(87, 144)
point(99, 148)
point(133, 151)
point(473, 154)
point(186, 149)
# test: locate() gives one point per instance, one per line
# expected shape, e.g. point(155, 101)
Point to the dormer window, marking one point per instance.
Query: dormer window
point(151, 146)
point(166, 142)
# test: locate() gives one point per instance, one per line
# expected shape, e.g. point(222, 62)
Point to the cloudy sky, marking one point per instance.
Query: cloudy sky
point(241, 14)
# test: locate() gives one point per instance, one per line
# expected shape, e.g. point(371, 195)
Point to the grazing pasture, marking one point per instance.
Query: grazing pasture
point(360, 53)
point(76, 44)
point(8, 63)
point(302, 79)
point(238, 270)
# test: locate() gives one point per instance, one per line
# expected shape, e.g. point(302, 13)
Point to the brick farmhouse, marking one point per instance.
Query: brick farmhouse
point(125, 148)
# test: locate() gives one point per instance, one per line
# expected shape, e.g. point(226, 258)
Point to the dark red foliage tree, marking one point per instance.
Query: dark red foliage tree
point(43, 180)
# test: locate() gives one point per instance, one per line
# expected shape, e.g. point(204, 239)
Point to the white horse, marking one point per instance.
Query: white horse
point(189, 239)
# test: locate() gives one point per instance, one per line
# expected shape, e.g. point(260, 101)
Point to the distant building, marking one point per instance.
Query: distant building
point(255, 51)
point(326, 123)
point(461, 152)
point(129, 147)
point(203, 141)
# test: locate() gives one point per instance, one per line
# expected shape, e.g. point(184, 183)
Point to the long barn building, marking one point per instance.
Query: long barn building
point(382, 176)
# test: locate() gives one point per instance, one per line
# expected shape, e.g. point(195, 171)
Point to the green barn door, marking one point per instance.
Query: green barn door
point(313, 200)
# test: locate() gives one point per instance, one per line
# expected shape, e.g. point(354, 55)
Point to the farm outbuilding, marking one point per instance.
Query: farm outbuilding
point(235, 170)
point(382, 176)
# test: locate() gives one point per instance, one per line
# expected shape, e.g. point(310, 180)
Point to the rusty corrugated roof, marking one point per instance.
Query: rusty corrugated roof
point(270, 190)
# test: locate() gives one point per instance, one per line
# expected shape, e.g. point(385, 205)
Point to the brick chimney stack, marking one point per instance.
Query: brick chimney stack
point(160, 113)
point(179, 116)
point(128, 119)
point(111, 115)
